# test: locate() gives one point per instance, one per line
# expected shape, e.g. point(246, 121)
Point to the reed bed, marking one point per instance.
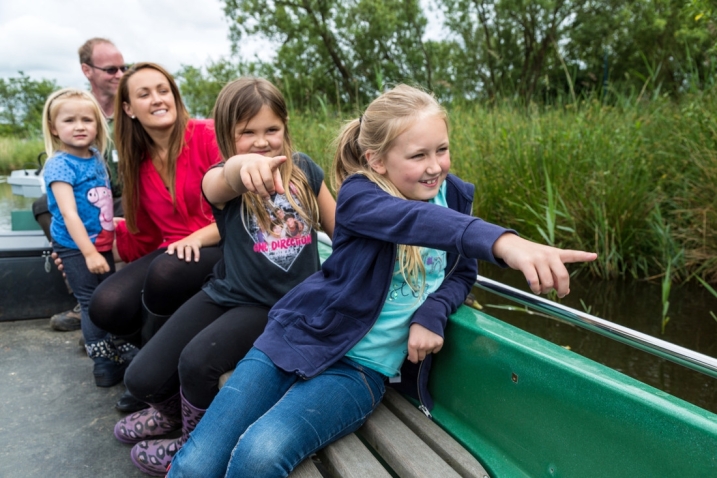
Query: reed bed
point(18, 153)
point(635, 181)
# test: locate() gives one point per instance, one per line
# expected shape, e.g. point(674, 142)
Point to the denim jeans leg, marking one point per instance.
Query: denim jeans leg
point(254, 387)
point(83, 283)
point(312, 414)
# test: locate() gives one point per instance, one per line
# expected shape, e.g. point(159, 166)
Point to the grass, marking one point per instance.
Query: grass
point(635, 181)
point(18, 153)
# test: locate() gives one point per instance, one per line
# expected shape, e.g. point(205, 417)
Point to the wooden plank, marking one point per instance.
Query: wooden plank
point(434, 436)
point(404, 452)
point(306, 469)
point(349, 458)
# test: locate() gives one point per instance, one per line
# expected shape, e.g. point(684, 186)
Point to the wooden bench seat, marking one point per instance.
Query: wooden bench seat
point(396, 440)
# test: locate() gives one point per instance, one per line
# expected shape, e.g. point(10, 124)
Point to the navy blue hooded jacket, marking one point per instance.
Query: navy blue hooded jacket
point(321, 319)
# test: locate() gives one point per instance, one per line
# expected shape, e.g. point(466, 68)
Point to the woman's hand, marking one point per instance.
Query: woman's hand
point(58, 263)
point(422, 342)
point(189, 246)
point(543, 266)
point(186, 248)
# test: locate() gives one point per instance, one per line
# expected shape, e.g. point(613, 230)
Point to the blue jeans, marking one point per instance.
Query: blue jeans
point(84, 283)
point(265, 421)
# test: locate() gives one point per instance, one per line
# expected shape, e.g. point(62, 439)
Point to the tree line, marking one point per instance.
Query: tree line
point(346, 51)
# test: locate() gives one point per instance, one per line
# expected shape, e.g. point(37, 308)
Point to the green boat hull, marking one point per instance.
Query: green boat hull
point(528, 408)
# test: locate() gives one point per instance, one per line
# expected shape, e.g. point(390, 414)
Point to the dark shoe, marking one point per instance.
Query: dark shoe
point(108, 372)
point(66, 321)
point(126, 349)
point(128, 404)
point(109, 366)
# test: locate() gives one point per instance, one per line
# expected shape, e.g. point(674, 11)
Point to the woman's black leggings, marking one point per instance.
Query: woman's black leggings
point(163, 281)
point(201, 341)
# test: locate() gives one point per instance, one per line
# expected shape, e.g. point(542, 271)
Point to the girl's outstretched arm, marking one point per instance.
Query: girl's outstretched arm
point(242, 173)
point(327, 210)
point(543, 266)
point(65, 198)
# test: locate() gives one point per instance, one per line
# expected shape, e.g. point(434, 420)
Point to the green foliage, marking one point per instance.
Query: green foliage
point(200, 90)
point(542, 50)
point(21, 103)
point(18, 153)
point(341, 51)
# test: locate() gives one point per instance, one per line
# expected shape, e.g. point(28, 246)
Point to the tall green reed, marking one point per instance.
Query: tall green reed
point(18, 153)
point(584, 175)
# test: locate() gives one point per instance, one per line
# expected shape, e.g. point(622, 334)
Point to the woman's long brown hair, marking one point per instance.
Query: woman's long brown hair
point(134, 144)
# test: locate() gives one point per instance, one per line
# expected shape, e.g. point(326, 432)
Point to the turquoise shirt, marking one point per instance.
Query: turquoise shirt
point(385, 347)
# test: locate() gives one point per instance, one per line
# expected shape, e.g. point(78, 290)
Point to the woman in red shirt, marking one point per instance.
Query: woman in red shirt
point(168, 237)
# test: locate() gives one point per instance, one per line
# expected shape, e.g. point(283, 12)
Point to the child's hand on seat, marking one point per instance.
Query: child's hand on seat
point(543, 266)
point(422, 342)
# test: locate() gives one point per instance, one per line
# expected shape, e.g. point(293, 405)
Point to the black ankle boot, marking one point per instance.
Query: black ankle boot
point(109, 367)
point(151, 323)
point(128, 404)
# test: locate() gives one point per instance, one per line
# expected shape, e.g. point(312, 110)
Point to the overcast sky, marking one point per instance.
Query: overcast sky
point(41, 37)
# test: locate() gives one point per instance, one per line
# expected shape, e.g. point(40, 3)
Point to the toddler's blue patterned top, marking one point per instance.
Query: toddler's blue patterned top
point(93, 196)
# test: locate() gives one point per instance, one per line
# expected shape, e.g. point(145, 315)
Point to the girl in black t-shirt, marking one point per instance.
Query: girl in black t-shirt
point(177, 372)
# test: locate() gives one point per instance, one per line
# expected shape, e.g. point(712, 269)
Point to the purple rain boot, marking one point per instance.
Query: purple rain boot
point(159, 419)
point(154, 456)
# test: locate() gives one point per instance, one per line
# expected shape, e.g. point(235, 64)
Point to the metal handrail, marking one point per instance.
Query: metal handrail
point(674, 353)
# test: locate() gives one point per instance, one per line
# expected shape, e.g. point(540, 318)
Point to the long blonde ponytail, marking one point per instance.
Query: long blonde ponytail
point(384, 120)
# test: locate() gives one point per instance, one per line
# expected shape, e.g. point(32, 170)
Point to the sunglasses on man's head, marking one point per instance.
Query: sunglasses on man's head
point(110, 70)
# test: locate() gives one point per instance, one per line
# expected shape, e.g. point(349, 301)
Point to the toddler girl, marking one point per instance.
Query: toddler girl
point(80, 201)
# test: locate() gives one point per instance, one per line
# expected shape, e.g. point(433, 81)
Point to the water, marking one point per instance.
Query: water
point(10, 202)
point(634, 304)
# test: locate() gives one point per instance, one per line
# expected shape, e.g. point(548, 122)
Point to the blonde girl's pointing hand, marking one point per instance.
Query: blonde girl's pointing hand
point(255, 173)
point(543, 266)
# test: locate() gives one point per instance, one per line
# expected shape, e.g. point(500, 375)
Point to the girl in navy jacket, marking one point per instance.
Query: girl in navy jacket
point(404, 258)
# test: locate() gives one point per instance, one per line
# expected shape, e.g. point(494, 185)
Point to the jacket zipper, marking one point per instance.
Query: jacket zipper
point(423, 407)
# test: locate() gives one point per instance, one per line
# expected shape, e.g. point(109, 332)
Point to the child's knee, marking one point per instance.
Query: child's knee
point(261, 452)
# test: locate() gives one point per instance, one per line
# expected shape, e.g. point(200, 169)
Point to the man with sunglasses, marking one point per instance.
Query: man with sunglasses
point(103, 66)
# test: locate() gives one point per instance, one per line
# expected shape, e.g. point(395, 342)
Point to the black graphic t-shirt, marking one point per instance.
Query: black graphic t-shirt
point(261, 266)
